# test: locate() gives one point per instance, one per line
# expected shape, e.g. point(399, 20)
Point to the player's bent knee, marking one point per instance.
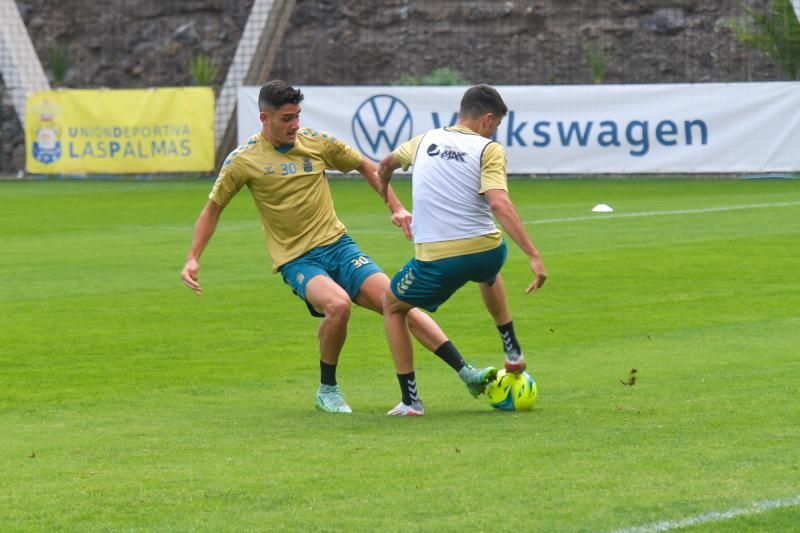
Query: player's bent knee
point(338, 309)
point(414, 318)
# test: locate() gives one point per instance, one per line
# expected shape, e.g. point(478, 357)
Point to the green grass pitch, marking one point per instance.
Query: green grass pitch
point(129, 404)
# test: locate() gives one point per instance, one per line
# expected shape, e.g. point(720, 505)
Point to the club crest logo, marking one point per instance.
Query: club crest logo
point(380, 124)
point(47, 133)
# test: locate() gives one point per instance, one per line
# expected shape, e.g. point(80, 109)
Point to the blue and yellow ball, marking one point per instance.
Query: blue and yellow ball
point(512, 392)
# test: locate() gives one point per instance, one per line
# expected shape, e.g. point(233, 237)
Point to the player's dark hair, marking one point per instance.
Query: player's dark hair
point(276, 93)
point(482, 99)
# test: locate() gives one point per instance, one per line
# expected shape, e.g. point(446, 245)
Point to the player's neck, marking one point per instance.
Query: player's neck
point(471, 125)
point(274, 142)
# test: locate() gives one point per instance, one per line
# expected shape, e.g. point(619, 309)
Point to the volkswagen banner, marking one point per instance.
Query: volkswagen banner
point(607, 129)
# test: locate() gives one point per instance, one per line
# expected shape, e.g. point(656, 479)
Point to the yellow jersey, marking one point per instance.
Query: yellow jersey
point(290, 189)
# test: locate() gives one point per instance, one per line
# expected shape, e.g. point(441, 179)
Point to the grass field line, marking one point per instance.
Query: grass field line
point(672, 212)
point(714, 516)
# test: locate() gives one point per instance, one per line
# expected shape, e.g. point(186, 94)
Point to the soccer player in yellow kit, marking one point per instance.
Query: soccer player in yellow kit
point(459, 185)
point(284, 168)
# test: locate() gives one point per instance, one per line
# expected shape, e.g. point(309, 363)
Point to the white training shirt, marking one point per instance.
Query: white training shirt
point(446, 187)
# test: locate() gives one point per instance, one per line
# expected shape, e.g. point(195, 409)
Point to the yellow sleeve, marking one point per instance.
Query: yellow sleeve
point(407, 152)
point(338, 155)
point(229, 181)
point(493, 168)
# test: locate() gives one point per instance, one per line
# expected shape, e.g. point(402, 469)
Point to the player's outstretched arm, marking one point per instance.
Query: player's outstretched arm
point(506, 214)
point(400, 215)
point(387, 166)
point(203, 230)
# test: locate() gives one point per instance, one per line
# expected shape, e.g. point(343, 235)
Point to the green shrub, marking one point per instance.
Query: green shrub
point(597, 61)
point(203, 71)
point(777, 34)
point(440, 76)
point(59, 61)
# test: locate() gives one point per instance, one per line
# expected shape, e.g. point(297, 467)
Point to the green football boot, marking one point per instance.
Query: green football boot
point(330, 400)
point(476, 379)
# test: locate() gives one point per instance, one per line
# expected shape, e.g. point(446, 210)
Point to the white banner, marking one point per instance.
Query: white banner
point(606, 129)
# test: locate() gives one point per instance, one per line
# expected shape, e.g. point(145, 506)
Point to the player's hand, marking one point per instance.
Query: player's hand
point(539, 274)
point(402, 219)
point(189, 275)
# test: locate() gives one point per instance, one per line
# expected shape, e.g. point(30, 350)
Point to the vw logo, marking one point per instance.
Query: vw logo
point(381, 124)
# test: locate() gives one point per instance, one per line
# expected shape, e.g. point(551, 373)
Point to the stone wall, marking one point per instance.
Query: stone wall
point(519, 42)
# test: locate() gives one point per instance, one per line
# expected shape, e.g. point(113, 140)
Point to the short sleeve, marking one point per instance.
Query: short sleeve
point(407, 152)
point(229, 181)
point(338, 155)
point(493, 168)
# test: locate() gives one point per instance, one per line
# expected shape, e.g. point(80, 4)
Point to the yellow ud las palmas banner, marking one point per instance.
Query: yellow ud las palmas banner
point(120, 131)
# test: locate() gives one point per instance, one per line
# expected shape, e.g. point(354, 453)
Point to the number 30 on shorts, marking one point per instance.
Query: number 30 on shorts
point(359, 261)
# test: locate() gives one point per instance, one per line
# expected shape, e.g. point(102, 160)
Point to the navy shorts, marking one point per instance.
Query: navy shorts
point(342, 261)
point(428, 284)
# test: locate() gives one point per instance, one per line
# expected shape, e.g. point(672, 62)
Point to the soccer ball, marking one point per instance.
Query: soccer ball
point(512, 392)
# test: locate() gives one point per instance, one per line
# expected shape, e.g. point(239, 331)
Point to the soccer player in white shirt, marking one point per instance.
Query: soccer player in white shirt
point(459, 185)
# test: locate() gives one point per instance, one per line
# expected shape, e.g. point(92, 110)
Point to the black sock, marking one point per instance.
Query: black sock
point(408, 386)
point(510, 342)
point(327, 373)
point(450, 355)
